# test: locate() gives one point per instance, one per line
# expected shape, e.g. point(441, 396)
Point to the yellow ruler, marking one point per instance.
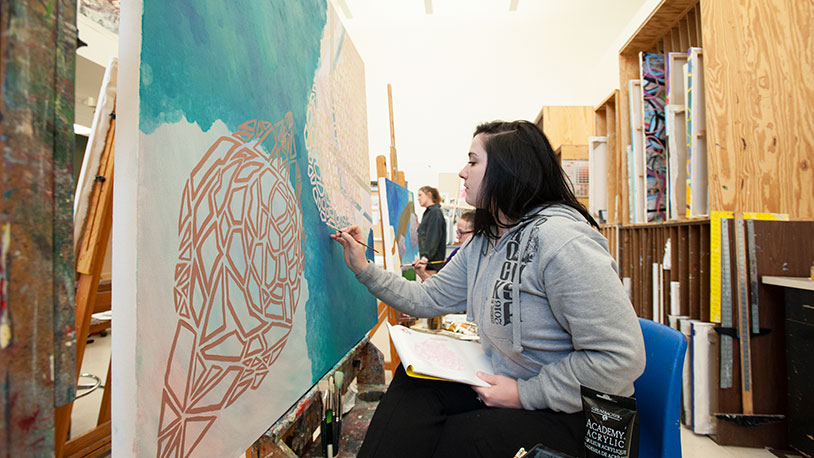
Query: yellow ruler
point(715, 254)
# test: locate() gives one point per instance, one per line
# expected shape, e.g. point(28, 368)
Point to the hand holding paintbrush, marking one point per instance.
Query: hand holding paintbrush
point(357, 240)
point(422, 262)
point(350, 239)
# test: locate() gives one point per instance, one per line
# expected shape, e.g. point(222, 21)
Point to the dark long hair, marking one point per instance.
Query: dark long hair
point(522, 173)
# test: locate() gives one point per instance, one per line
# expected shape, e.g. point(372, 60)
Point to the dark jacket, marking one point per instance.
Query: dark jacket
point(432, 236)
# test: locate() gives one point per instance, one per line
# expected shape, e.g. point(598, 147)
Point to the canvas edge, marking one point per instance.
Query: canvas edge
point(124, 399)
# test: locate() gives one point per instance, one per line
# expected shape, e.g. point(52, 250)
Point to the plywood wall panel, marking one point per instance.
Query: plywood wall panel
point(567, 125)
point(759, 112)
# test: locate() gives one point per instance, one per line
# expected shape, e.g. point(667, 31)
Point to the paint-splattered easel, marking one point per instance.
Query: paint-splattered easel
point(89, 265)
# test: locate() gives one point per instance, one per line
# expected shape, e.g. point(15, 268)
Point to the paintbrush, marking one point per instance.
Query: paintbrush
point(331, 418)
point(323, 389)
point(431, 262)
point(357, 241)
point(339, 379)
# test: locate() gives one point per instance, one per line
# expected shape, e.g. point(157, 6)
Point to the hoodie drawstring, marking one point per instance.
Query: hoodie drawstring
point(473, 277)
point(516, 328)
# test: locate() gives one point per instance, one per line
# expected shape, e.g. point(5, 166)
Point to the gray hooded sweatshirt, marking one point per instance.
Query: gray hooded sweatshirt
point(574, 324)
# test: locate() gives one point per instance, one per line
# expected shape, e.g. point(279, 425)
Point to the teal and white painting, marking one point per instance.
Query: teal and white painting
point(243, 135)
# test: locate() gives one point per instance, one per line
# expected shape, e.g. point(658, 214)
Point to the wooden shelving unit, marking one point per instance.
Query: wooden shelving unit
point(642, 245)
point(565, 125)
point(758, 158)
point(759, 116)
point(759, 110)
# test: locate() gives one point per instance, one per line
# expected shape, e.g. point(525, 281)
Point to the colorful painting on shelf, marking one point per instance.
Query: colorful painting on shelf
point(655, 139)
point(251, 144)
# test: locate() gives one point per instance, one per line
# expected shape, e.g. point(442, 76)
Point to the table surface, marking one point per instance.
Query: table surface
point(790, 282)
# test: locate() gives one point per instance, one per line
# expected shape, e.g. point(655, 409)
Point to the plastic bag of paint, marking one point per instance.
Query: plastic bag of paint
point(611, 425)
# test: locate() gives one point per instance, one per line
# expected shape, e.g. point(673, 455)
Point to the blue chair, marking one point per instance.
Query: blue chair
point(658, 391)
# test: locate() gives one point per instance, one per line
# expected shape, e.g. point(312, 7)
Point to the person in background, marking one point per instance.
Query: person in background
point(465, 226)
point(432, 232)
point(538, 280)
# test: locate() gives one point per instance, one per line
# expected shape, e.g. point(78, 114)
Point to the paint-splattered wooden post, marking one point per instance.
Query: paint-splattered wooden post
point(37, 367)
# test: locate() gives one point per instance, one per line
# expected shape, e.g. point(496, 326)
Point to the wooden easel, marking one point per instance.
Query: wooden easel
point(89, 264)
point(385, 312)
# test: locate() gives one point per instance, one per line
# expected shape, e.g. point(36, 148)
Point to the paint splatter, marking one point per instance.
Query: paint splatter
point(6, 329)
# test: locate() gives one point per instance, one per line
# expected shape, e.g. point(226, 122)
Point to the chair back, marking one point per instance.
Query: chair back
point(658, 391)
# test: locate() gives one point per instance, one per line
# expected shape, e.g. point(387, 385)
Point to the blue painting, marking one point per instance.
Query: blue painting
point(251, 146)
point(400, 225)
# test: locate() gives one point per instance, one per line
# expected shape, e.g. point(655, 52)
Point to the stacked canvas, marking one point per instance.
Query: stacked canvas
point(636, 159)
point(598, 177)
point(700, 380)
point(697, 182)
point(675, 123)
point(704, 345)
point(667, 164)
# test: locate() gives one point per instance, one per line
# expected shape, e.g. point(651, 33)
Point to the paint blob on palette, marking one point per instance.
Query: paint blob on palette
point(240, 297)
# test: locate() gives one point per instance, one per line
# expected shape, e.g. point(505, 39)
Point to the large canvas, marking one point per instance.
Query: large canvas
point(250, 142)
point(399, 224)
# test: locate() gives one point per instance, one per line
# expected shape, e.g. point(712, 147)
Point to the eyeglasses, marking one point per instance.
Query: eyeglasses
point(460, 233)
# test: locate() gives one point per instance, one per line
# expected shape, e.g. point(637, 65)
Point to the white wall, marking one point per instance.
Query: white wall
point(473, 61)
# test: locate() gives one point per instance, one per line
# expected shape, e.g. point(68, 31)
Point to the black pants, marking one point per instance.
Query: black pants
point(426, 418)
